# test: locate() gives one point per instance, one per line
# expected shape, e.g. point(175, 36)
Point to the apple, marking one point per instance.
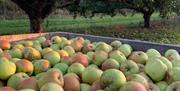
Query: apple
point(38, 48)
point(116, 44)
point(96, 86)
point(175, 86)
point(175, 73)
point(138, 78)
point(26, 90)
point(66, 60)
point(6, 55)
point(52, 75)
point(27, 43)
point(90, 75)
point(7, 89)
point(162, 85)
point(31, 53)
point(139, 57)
point(141, 67)
point(80, 58)
point(16, 53)
point(71, 83)
point(133, 86)
point(30, 83)
point(18, 46)
point(51, 87)
point(56, 39)
point(55, 47)
point(47, 43)
point(7, 68)
point(76, 68)
point(118, 56)
point(69, 50)
point(53, 57)
point(15, 79)
point(129, 67)
point(5, 45)
point(63, 53)
point(166, 62)
point(112, 80)
point(174, 57)
point(153, 87)
point(170, 52)
point(25, 66)
point(92, 66)
point(100, 57)
point(90, 56)
point(151, 69)
point(110, 64)
point(146, 77)
point(41, 39)
point(153, 53)
point(102, 46)
point(41, 65)
point(77, 46)
point(1, 51)
point(125, 49)
point(45, 51)
point(85, 87)
point(38, 76)
point(176, 63)
point(62, 67)
point(87, 47)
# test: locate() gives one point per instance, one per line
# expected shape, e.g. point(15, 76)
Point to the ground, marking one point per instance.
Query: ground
point(129, 27)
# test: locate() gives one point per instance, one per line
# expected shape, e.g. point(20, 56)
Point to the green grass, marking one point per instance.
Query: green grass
point(54, 24)
point(119, 26)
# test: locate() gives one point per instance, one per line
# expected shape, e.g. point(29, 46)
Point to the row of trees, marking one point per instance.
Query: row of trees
point(38, 10)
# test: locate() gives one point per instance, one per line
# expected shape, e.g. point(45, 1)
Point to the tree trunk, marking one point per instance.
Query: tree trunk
point(36, 25)
point(147, 18)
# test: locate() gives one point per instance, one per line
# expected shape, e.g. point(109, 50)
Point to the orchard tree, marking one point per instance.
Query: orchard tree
point(38, 10)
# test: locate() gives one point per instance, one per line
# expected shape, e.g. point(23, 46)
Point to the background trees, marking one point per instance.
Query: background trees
point(38, 10)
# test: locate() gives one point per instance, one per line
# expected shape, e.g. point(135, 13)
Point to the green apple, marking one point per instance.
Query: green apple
point(118, 56)
point(53, 57)
point(69, 50)
point(14, 60)
point(7, 68)
point(153, 87)
point(138, 78)
point(90, 56)
point(129, 67)
point(162, 85)
point(56, 39)
point(90, 75)
point(85, 87)
point(99, 57)
point(55, 47)
point(16, 53)
point(52, 75)
point(46, 50)
point(110, 64)
point(103, 47)
point(62, 67)
point(31, 53)
point(41, 39)
point(175, 86)
point(151, 69)
point(175, 73)
point(116, 44)
point(125, 49)
point(139, 57)
point(41, 65)
point(166, 62)
point(76, 68)
point(170, 52)
point(15, 79)
point(51, 87)
point(153, 53)
point(112, 80)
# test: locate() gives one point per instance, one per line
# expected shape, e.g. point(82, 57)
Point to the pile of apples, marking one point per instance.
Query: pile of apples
point(59, 64)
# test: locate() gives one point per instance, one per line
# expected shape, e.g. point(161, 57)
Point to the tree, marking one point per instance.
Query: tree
point(38, 10)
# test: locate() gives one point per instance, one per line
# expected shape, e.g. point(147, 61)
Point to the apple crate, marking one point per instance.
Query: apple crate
point(136, 44)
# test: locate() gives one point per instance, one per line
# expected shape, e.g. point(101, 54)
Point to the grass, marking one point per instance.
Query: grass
point(52, 24)
point(162, 31)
